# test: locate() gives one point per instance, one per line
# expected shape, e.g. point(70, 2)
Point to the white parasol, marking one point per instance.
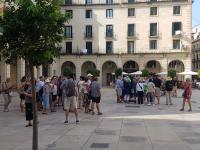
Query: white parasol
point(136, 73)
point(188, 73)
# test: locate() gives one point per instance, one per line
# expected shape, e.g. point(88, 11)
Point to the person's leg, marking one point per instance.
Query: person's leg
point(167, 97)
point(142, 97)
point(170, 98)
point(139, 97)
point(5, 96)
point(183, 105)
point(190, 105)
point(74, 105)
point(92, 107)
point(66, 108)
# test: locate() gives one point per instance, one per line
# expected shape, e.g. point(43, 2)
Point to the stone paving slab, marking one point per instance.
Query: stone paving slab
point(121, 127)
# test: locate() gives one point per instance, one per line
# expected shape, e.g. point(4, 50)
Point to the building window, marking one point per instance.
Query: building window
point(68, 2)
point(131, 1)
point(109, 13)
point(130, 47)
point(153, 44)
point(109, 47)
point(88, 14)
point(153, 29)
point(177, 10)
point(153, 11)
point(69, 13)
point(131, 12)
point(176, 26)
point(109, 30)
point(131, 29)
point(88, 31)
point(88, 2)
point(176, 44)
point(68, 31)
point(89, 47)
point(68, 47)
point(109, 2)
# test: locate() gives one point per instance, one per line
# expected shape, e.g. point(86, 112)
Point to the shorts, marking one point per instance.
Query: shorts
point(54, 98)
point(174, 88)
point(22, 96)
point(157, 92)
point(45, 101)
point(96, 99)
point(70, 101)
point(119, 91)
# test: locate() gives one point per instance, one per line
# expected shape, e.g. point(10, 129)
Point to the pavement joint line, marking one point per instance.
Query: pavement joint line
point(120, 133)
point(149, 137)
point(101, 120)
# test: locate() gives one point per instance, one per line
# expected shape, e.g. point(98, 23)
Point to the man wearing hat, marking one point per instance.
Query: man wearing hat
point(168, 88)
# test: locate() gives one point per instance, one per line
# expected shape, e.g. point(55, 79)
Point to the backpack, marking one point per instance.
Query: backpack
point(70, 89)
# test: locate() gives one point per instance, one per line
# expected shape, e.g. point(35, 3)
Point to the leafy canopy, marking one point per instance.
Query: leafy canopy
point(172, 73)
point(94, 72)
point(32, 30)
point(118, 72)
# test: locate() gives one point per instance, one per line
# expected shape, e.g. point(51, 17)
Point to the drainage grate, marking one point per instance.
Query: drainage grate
point(104, 132)
point(134, 106)
point(132, 139)
point(100, 145)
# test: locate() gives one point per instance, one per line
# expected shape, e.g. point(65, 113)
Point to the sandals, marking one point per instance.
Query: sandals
point(28, 125)
point(181, 109)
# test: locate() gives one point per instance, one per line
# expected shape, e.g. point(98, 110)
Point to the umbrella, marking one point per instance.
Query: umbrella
point(162, 73)
point(136, 73)
point(188, 73)
point(123, 73)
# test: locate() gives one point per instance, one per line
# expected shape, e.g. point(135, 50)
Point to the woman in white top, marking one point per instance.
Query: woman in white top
point(140, 91)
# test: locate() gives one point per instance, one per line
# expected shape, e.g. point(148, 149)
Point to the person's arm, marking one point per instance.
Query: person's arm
point(190, 90)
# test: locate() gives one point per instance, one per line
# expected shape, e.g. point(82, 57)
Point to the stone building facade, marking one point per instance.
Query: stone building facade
point(131, 34)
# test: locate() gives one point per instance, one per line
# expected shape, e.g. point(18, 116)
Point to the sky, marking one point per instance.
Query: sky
point(196, 13)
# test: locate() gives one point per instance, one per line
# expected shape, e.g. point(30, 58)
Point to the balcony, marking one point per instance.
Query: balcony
point(88, 35)
point(156, 35)
point(68, 36)
point(116, 2)
point(131, 35)
point(109, 35)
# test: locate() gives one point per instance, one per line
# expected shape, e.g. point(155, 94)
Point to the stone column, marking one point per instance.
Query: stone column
point(50, 70)
point(39, 71)
point(141, 63)
point(99, 67)
point(5, 71)
point(164, 65)
point(20, 70)
point(78, 69)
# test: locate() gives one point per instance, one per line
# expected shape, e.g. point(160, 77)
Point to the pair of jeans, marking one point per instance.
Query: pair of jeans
point(150, 97)
point(168, 97)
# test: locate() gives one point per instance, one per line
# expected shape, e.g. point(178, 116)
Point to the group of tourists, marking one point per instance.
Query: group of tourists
point(148, 90)
point(53, 92)
point(86, 93)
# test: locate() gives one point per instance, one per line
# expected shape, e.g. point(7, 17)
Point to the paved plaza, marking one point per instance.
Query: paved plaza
point(121, 127)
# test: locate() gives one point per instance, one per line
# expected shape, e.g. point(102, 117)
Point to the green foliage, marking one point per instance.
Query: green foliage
point(198, 73)
point(145, 73)
point(94, 72)
point(172, 73)
point(32, 31)
point(67, 72)
point(118, 72)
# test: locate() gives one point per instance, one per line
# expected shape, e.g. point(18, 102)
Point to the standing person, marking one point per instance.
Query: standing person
point(133, 90)
point(119, 87)
point(39, 92)
point(28, 104)
point(150, 92)
point(59, 83)
point(54, 90)
point(96, 95)
point(80, 87)
point(7, 94)
point(157, 81)
point(127, 89)
point(21, 93)
point(168, 88)
point(140, 91)
point(45, 96)
point(69, 93)
point(175, 83)
point(187, 94)
point(87, 89)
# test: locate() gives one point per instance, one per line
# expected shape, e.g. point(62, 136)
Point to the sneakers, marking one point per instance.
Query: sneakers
point(77, 122)
point(93, 113)
point(66, 122)
point(149, 104)
point(100, 113)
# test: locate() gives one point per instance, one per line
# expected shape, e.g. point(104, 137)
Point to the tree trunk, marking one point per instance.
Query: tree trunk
point(35, 115)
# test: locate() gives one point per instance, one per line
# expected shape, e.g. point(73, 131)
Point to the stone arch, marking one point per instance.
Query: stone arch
point(70, 65)
point(130, 66)
point(86, 66)
point(177, 65)
point(108, 68)
point(153, 66)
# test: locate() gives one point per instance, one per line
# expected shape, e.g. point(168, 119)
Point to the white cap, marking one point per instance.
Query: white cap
point(90, 75)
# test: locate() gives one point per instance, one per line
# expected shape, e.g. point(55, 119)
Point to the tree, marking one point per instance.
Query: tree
point(94, 72)
point(118, 72)
point(198, 73)
point(67, 72)
point(32, 30)
point(145, 73)
point(172, 73)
